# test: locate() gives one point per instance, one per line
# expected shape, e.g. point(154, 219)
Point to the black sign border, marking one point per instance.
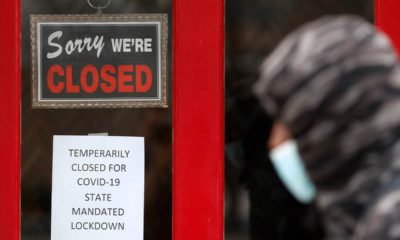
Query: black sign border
point(161, 18)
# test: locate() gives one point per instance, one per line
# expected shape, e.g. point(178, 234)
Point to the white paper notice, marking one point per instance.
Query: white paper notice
point(98, 188)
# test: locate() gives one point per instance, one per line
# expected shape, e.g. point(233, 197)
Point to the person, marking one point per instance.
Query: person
point(333, 88)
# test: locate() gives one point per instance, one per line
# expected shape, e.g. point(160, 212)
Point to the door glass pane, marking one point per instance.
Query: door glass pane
point(257, 204)
point(39, 125)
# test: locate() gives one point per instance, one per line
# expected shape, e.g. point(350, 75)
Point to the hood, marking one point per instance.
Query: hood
point(333, 82)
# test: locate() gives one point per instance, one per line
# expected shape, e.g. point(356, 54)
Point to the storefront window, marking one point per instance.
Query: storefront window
point(39, 125)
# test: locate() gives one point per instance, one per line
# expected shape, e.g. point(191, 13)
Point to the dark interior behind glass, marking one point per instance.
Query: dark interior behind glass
point(39, 126)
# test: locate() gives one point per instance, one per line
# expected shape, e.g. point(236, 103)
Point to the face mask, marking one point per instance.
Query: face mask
point(290, 169)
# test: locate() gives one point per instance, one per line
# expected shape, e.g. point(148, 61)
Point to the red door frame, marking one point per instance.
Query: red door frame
point(198, 115)
point(198, 119)
point(387, 18)
point(10, 80)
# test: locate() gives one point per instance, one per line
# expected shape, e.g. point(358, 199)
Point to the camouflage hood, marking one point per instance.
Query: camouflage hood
point(336, 84)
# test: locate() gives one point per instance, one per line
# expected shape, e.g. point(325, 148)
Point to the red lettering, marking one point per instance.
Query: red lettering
point(124, 78)
point(107, 79)
point(55, 88)
point(89, 88)
point(71, 88)
point(140, 86)
point(110, 82)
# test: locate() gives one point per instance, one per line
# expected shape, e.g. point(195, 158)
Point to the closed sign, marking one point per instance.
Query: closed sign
point(99, 61)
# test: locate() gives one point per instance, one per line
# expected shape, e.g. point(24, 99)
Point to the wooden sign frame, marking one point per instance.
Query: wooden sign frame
point(105, 102)
point(198, 113)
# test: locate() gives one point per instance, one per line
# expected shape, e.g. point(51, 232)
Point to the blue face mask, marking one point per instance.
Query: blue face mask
point(290, 169)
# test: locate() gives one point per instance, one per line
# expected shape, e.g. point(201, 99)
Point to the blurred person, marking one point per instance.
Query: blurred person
point(253, 30)
point(333, 88)
point(273, 212)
